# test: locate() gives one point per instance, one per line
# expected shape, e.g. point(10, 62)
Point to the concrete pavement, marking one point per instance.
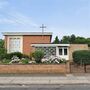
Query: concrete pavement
point(47, 87)
point(45, 79)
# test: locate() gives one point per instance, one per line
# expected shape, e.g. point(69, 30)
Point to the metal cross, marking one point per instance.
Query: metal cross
point(42, 27)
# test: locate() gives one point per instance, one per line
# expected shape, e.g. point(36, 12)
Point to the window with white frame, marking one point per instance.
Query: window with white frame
point(14, 44)
point(60, 51)
point(63, 51)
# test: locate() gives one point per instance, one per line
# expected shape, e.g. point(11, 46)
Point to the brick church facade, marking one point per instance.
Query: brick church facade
point(21, 41)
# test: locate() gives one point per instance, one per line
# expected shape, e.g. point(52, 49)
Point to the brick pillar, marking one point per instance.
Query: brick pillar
point(68, 67)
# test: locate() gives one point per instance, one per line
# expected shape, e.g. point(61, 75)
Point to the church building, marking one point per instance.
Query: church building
point(27, 42)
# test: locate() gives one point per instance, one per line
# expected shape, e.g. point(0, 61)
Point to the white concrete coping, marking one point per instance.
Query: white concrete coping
point(27, 33)
point(50, 45)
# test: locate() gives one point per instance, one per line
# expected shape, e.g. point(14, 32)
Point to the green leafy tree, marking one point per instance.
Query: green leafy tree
point(80, 40)
point(56, 41)
point(2, 49)
point(72, 38)
point(88, 41)
point(65, 39)
point(75, 40)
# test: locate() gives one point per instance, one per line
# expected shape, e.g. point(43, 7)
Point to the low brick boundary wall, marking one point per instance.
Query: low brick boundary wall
point(31, 69)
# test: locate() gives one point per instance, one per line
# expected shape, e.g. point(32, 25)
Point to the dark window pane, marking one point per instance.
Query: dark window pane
point(60, 51)
point(65, 51)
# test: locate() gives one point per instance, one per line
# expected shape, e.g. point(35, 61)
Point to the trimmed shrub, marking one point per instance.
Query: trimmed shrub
point(10, 55)
point(25, 61)
point(38, 55)
point(81, 57)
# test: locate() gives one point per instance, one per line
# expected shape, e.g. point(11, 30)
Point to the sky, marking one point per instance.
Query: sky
point(62, 17)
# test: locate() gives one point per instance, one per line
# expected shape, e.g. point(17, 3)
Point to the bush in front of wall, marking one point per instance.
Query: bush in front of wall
point(54, 60)
point(10, 55)
point(2, 53)
point(81, 57)
point(2, 50)
point(5, 61)
point(25, 61)
point(18, 54)
point(38, 55)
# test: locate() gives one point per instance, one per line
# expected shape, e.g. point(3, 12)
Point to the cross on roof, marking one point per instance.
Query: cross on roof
point(42, 27)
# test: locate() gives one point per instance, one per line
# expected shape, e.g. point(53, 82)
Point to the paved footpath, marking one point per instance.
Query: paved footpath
point(44, 79)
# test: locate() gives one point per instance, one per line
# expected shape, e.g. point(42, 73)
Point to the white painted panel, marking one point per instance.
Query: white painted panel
point(14, 44)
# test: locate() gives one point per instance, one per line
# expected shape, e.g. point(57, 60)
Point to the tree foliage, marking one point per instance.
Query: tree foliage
point(72, 40)
point(56, 41)
point(2, 49)
point(65, 39)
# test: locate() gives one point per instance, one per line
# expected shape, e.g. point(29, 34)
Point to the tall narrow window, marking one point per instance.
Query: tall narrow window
point(60, 51)
point(65, 51)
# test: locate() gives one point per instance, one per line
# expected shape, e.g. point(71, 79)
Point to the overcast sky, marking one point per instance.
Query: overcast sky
point(62, 17)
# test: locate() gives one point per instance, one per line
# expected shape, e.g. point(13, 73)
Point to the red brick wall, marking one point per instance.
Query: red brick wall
point(62, 68)
point(28, 40)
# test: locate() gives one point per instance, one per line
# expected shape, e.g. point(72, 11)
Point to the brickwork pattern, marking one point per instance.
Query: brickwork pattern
point(62, 68)
point(28, 40)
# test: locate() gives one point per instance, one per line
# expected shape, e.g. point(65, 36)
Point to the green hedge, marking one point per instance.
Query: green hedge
point(81, 57)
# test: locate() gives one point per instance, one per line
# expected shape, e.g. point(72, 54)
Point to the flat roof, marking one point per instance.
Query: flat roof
point(51, 45)
point(27, 33)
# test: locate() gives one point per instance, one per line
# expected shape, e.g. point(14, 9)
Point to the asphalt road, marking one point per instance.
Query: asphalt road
point(46, 87)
